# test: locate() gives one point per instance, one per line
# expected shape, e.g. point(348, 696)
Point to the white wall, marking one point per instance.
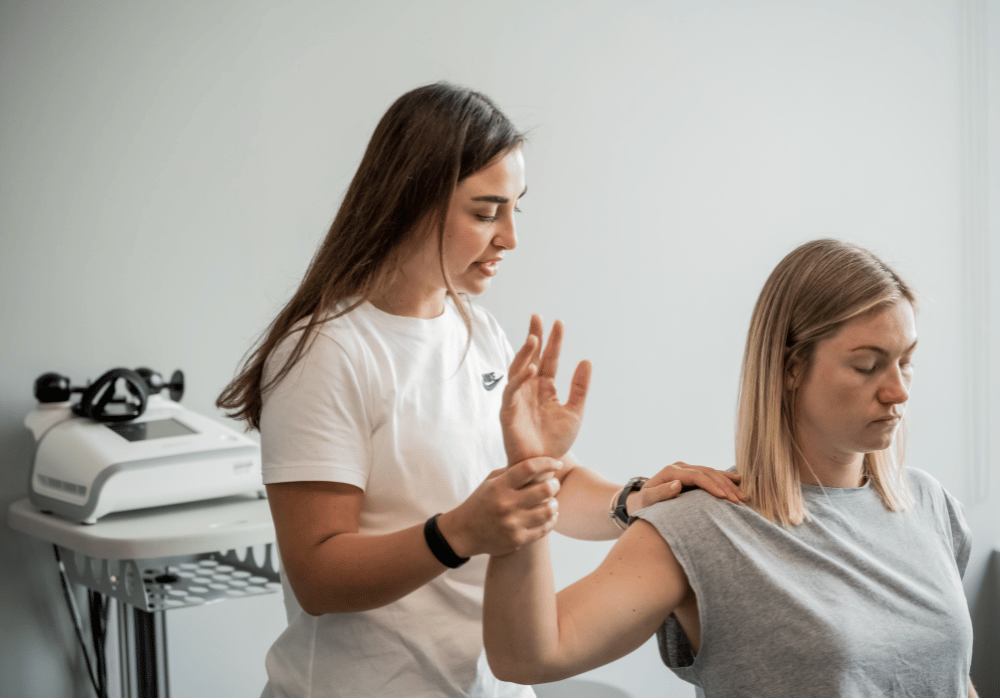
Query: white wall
point(168, 168)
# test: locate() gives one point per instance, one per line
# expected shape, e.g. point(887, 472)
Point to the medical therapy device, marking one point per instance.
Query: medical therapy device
point(124, 447)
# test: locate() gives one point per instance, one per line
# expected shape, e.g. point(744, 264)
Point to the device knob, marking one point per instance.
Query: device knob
point(154, 380)
point(176, 385)
point(52, 388)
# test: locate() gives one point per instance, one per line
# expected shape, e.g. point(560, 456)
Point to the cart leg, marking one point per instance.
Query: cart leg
point(124, 650)
point(151, 654)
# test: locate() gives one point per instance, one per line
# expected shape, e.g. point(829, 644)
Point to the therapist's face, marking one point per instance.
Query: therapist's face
point(479, 229)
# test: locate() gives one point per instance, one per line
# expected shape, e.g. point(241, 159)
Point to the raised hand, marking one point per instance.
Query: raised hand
point(534, 422)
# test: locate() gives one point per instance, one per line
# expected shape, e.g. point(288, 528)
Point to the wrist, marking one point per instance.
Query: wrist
point(633, 503)
point(450, 527)
point(619, 511)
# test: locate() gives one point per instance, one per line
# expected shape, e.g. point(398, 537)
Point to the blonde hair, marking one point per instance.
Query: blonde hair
point(810, 295)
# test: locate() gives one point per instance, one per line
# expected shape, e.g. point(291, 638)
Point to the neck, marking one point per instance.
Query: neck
point(414, 288)
point(831, 471)
point(409, 300)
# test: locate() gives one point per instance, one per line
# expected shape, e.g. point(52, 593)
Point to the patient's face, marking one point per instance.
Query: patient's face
point(853, 396)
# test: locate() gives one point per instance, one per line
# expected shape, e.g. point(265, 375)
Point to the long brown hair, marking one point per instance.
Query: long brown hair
point(428, 141)
point(810, 295)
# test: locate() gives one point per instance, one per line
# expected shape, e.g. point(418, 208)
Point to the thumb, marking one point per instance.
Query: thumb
point(649, 495)
point(495, 473)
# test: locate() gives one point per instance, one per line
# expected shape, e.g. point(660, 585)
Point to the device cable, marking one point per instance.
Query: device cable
point(74, 613)
point(99, 605)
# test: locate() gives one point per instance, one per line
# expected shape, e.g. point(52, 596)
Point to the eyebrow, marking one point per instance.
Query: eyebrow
point(497, 199)
point(882, 351)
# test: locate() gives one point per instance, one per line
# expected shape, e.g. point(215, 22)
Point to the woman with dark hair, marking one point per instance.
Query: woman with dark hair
point(841, 575)
point(376, 391)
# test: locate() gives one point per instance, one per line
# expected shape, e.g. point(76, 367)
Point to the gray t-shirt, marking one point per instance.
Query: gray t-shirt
point(857, 601)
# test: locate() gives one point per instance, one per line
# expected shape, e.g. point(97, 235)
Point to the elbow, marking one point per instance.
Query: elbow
point(316, 603)
point(507, 666)
point(311, 607)
point(522, 674)
point(310, 603)
point(317, 598)
point(306, 593)
point(527, 674)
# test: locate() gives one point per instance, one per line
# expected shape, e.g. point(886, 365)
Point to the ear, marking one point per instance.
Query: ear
point(794, 373)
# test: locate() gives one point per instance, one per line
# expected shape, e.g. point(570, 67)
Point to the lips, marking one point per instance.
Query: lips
point(488, 267)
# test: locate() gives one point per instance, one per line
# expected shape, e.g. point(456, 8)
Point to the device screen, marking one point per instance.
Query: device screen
point(151, 430)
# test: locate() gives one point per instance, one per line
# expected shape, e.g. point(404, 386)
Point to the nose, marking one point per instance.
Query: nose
point(506, 234)
point(896, 387)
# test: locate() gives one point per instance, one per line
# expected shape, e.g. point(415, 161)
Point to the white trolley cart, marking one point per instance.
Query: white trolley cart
point(156, 559)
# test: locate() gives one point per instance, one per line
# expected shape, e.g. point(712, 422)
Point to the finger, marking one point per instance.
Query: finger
point(536, 329)
point(737, 481)
point(516, 380)
point(530, 470)
point(495, 473)
point(579, 386)
point(523, 357)
point(532, 535)
point(687, 473)
point(530, 496)
point(661, 492)
point(544, 514)
point(550, 356)
point(733, 492)
point(714, 487)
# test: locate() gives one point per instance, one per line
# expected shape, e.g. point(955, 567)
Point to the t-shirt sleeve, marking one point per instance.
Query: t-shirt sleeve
point(673, 520)
point(961, 535)
point(314, 424)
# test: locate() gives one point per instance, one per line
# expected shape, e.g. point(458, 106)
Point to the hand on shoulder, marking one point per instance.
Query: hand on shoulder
point(674, 478)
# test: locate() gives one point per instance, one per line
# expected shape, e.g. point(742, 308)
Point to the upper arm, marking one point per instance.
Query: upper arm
point(621, 604)
point(308, 513)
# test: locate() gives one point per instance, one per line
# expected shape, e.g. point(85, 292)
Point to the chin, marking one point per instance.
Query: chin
point(880, 444)
point(472, 288)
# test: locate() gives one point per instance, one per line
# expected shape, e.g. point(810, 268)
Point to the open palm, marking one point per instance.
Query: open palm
point(534, 423)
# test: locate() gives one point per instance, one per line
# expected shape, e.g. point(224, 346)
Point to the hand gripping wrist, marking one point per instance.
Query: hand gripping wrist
point(439, 545)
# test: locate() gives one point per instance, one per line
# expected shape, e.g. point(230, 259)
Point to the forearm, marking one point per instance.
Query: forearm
point(351, 572)
point(584, 501)
point(520, 625)
point(331, 567)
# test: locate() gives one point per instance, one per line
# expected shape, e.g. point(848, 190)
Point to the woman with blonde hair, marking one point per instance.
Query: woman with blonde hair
point(841, 575)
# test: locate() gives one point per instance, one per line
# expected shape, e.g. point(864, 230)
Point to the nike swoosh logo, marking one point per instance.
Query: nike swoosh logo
point(490, 380)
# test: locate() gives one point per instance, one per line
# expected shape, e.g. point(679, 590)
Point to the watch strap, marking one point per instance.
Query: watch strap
point(619, 511)
point(439, 545)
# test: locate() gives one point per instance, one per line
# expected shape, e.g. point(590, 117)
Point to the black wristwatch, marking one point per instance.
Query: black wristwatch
point(618, 512)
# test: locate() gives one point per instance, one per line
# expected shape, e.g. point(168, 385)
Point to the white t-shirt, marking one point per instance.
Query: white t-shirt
point(388, 404)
